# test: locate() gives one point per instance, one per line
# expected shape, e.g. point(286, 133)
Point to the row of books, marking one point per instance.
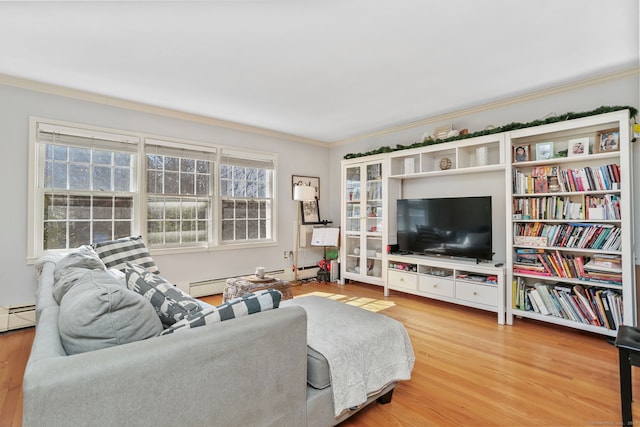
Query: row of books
point(588, 305)
point(564, 207)
point(602, 178)
point(557, 264)
point(605, 177)
point(573, 235)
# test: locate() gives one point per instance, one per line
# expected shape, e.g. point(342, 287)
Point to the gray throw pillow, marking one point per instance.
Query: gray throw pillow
point(73, 266)
point(170, 302)
point(98, 312)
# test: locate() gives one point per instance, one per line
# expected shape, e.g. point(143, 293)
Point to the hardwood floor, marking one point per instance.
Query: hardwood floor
point(469, 370)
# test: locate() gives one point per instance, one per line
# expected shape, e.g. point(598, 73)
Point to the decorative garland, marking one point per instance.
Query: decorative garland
point(506, 128)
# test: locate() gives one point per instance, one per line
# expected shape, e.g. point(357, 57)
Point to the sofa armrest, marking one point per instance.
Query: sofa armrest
point(248, 371)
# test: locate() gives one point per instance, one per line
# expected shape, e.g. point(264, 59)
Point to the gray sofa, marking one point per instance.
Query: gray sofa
point(249, 371)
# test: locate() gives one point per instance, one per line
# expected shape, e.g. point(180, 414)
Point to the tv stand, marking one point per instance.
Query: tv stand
point(466, 282)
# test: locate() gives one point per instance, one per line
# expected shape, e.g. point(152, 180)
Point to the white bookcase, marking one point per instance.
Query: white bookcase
point(570, 254)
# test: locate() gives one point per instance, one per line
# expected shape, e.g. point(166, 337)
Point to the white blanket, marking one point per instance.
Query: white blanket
point(365, 350)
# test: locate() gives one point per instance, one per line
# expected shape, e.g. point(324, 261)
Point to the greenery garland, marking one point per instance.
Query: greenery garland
point(506, 128)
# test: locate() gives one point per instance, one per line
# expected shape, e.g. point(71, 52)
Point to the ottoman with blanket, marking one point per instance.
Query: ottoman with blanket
point(310, 362)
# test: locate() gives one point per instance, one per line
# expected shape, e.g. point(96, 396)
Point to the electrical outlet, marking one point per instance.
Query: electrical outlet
point(286, 254)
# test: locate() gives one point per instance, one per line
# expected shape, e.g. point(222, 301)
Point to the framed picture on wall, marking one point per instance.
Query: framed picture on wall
point(310, 212)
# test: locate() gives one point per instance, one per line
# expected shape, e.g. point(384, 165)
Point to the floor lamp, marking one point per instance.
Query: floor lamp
point(301, 193)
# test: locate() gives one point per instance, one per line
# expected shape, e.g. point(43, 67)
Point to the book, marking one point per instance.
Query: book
point(581, 293)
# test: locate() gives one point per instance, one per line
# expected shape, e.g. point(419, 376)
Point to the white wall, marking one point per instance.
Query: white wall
point(16, 105)
point(624, 90)
point(18, 282)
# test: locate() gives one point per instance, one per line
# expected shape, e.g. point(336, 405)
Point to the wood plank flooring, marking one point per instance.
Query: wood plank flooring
point(469, 370)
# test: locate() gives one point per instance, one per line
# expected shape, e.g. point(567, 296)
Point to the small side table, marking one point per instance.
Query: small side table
point(239, 286)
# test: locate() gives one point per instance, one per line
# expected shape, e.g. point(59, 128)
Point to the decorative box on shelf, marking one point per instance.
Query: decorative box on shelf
point(536, 241)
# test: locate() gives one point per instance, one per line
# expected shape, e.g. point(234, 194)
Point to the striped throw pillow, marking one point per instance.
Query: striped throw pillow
point(245, 305)
point(116, 253)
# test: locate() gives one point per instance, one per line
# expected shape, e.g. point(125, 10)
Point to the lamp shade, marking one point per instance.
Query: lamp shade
point(303, 193)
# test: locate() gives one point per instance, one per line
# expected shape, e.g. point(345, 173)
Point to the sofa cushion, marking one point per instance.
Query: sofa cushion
point(73, 266)
point(116, 253)
point(245, 305)
point(318, 374)
point(170, 302)
point(98, 312)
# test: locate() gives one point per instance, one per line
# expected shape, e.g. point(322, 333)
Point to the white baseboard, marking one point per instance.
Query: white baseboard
point(16, 317)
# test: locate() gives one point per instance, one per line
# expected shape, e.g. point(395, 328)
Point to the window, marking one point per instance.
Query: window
point(85, 186)
point(93, 185)
point(179, 196)
point(246, 189)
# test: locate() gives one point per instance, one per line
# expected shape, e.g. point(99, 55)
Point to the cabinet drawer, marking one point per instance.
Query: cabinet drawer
point(481, 294)
point(436, 286)
point(400, 279)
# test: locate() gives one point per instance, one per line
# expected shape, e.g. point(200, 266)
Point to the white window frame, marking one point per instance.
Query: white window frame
point(104, 138)
point(191, 150)
point(235, 157)
point(140, 140)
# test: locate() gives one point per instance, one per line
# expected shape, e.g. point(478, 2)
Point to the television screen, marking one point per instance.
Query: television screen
point(452, 226)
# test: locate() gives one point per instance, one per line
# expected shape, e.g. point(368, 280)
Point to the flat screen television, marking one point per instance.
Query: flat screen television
point(448, 226)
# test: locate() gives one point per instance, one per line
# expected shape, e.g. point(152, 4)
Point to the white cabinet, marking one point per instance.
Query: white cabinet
point(460, 282)
point(570, 257)
point(363, 221)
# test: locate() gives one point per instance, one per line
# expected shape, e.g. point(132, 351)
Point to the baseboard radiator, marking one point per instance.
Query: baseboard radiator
point(17, 316)
point(216, 286)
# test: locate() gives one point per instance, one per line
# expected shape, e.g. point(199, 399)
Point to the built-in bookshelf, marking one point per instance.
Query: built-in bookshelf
point(571, 256)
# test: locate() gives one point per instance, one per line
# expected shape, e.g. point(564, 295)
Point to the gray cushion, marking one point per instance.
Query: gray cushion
point(98, 312)
point(318, 374)
point(170, 302)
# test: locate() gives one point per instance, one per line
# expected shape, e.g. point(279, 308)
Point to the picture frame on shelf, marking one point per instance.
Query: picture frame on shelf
point(312, 181)
point(544, 150)
point(310, 212)
point(521, 153)
point(607, 140)
point(578, 147)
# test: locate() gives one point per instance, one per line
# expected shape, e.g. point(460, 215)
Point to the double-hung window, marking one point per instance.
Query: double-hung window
point(85, 186)
point(90, 185)
point(180, 189)
point(247, 193)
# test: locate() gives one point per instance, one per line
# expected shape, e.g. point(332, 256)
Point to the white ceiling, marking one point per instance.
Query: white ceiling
point(328, 70)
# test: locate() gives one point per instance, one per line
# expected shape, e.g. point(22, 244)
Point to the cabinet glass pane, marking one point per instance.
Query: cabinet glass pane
point(353, 184)
point(353, 217)
point(373, 255)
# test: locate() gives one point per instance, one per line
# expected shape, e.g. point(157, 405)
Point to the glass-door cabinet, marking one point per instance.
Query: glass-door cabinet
point(363, 220)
